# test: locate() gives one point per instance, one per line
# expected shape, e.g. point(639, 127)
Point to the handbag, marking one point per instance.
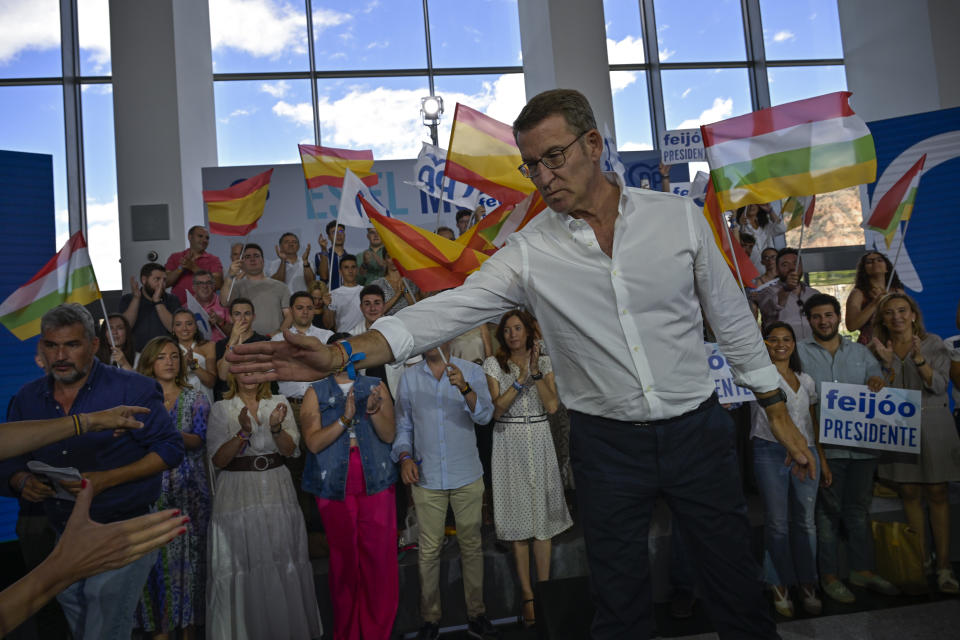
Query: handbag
point(411, 533)
point(898, 550)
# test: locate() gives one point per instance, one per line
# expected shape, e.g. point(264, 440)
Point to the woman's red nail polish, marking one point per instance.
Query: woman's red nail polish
point(176, 512)
point(83, 483)
point(186, 519)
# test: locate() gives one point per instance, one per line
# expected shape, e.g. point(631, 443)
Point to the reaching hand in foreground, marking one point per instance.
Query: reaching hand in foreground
point(295, 358)
point(86, 548)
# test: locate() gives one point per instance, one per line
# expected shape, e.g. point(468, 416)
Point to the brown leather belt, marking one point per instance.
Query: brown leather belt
point(255, 463)
point(294, 400)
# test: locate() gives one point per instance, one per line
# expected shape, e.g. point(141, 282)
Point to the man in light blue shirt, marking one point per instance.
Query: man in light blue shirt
point(847, 474)
point(438, 402)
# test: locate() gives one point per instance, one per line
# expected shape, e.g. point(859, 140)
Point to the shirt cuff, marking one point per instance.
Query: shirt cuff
point(396, 454)
point(759, 380)
point(396, 335)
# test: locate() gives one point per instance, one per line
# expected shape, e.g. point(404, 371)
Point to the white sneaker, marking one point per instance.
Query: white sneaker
point(811, 603)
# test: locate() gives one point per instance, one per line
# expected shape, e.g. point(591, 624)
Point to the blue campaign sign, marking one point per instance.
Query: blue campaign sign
point(853, 416)
point(727, 390)
point(929, 263)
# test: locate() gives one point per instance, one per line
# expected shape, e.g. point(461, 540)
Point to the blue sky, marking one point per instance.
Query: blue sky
point(261, 122)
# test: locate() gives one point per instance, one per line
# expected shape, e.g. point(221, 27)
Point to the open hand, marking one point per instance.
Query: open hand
point(296, 358)
point(277, 415)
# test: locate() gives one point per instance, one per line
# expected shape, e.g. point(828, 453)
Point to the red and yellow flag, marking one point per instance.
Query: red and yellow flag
point(483, 154)
point(714, 215)
point(491, 232)
point(325, 166)
point(431, 261)
point(235, 211)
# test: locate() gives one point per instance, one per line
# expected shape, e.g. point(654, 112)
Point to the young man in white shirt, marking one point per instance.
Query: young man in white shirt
point(289, 267)
point(344, 312)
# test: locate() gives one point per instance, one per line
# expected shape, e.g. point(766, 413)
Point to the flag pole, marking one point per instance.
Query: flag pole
point(106, 320)
point(333, 249)
point(800, 246)
point(243, 247)
point(893, 269)
point(733, 254)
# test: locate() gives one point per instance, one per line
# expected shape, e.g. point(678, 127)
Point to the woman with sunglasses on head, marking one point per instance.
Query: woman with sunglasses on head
point(174, 595)
point(790, 531)
point(869, 286)
point(914, 359)
point(198, 352)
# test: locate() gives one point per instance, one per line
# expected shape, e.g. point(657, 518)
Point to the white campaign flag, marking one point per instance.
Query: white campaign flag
point(203, 320)
point(351, 212)
point(610, 160)
point(428, 177)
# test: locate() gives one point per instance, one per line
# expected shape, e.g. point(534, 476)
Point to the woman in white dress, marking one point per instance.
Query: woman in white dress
point(198, 353)
point(528, 499)
point(260, 583)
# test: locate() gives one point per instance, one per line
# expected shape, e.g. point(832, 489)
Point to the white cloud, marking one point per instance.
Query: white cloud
point(371, 6)
point(93, 28)
point(783, 36)
point(28, 26)
point(626, 51)
point(620, 80)
point(635, 146)
point(665, 54)
point(264, 29)
point(324, 18)
point(388, 120)
point(103, 240)
point(379, 45)
point(276, 89)
point(686, 92)
point(813, 16)
point(721, 109)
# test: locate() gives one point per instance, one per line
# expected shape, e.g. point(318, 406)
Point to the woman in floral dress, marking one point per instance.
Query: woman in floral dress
point(174, 596)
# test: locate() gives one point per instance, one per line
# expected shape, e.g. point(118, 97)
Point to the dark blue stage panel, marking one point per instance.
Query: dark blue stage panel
point(26, 243)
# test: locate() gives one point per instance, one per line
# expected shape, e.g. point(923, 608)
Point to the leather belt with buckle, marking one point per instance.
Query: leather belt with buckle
point(255, 463)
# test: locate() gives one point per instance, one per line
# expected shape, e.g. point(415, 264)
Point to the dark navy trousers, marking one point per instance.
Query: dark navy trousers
point(620, 469)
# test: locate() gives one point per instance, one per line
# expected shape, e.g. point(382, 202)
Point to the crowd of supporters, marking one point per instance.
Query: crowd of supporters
point(475, 425)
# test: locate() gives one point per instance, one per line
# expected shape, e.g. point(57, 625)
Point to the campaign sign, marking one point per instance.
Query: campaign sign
point(727, 391)
point(853, 416)
point(682, 145)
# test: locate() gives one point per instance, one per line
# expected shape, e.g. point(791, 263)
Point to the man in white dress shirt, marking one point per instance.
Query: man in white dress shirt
point(616, 277)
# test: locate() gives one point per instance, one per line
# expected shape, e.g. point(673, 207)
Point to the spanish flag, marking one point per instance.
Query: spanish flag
point(432, 261)
point(325, 166)
point(483, 154)
point(714, 215)
point(236, 210)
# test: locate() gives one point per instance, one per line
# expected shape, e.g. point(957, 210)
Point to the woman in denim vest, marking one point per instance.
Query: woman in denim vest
point(348, 427)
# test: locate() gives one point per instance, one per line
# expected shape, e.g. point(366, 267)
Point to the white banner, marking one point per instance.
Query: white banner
point(682, 145)
point(428, 177)
point(853, 416)
point(200, 314)
point(680, 188)
point(727, 391)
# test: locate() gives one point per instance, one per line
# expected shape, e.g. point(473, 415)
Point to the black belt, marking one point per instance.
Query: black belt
point(709, 403)
point(255, 463)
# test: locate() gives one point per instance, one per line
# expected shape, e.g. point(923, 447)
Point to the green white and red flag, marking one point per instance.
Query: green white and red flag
point(800, 148)
point(67, 277)
point(800, 210)
point(896, 205)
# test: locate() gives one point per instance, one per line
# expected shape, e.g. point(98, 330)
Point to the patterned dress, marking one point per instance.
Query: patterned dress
point(528, 497)
point(174, 595)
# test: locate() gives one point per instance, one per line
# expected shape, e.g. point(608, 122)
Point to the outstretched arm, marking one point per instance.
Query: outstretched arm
point(304, 358)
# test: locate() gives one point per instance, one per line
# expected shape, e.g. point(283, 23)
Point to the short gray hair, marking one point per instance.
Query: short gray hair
point(67, 315)
point(571, 104)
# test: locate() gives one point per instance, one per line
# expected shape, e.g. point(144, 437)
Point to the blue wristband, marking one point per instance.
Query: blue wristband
point(517, 387)
point(351, 359)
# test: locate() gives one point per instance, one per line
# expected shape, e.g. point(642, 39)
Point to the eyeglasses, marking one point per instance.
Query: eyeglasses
point(551, 160)
point(203, 283)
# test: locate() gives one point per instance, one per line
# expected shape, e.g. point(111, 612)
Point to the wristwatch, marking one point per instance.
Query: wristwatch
point(779, 396)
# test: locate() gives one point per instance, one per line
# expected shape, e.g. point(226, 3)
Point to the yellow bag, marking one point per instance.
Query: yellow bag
point(898, 552)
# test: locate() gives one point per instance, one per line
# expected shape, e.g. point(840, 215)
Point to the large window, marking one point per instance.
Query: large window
point(373, 62)
point(715, 59)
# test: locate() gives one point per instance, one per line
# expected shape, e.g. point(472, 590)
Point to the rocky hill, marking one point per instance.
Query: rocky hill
point(836, 221)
